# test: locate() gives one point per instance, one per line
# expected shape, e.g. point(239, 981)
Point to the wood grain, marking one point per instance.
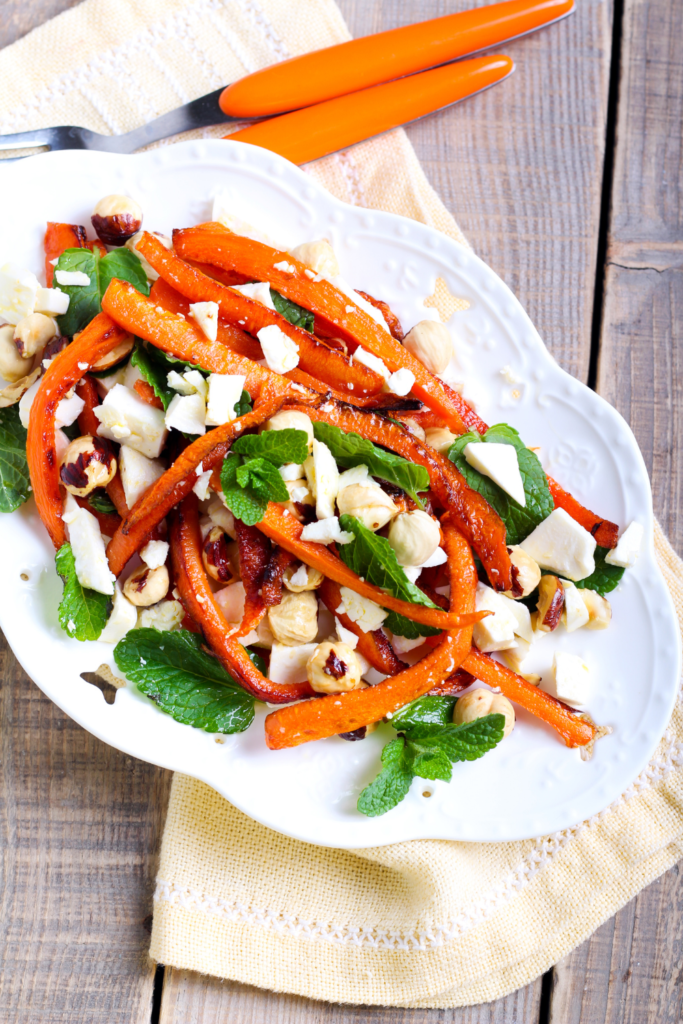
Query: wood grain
point(18, 18)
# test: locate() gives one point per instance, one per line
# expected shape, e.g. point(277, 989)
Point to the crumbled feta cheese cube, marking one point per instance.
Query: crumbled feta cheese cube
point(402, 645)
point(281, 353)
point(124, 616)
point(92, 567)
point(26, 401)
point(401, 381)
point(51, 301)
point(625, 554)
point(68, 411)
point(285, 267)
point(201, 485)
point(560, 544)
point(361, 610)
point(497, 631)
point(522, 617)
point(154, 553)
point(499, 463)
point(325, 531)
point(225, 391)
point(371, 361)
point(138, 473)
point(326, 480)
point(18, 290)
point(344, 635)
point(205, 314)
point(71, 277)
point(187, 413)
point(570, 678)
point(125, 417)
point(514, 657)
point(574, 613)
point(231, 600)
point(164, 616)
point(288, 664)
point(222, 516)
point(291, 471)
point(259, 291)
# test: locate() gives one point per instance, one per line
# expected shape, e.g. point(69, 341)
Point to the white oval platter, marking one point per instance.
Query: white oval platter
point(531, 784)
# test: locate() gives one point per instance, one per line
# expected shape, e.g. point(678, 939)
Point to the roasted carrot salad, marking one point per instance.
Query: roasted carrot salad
point(259, 489)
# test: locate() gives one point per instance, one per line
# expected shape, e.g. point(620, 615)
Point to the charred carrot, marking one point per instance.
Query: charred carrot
point(606, 534)
point(58, 238)
point(254, 552)
point(162, 294)
point(98, 339)
point(271, 589)
point(374, 646)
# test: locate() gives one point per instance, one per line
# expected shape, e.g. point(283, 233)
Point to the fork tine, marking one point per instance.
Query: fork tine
point(27, 140)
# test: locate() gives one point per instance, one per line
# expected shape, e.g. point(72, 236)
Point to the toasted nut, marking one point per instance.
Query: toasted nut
point(54, 347)
point(12, 365)
point(550, 603)
point(88, 463)
point(132, 245)
point(32, 334)
point(13, 392)
point(599, 609)
point(219, 555)
point(367, 502)
point(414, 428)
point(430, 342)
point(414, 536)
point(293, 577)
point(116, 355)
point(291, 420)
point(479, 703)
point(319, 256)
point(146, 586)
point(439, 438)
point(295, 620)
point(334, 668)
point(525, 573)
point(116, 219)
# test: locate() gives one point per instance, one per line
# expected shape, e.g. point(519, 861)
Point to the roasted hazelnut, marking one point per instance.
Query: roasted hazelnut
point(146, 586)
point(219, 556)
point(550, 603)
point(290, 419)
point(319, 256)
point(439, 438)
point(54, 347)
point(295, 620)
point(12, 365)
point(414, 536)
point(123, 349)
point(301, 578)
point(480, 703)
point(334, 668)
point(599, 609)
point(116, 219)
point(525, 573)
point(132, 244)
point(88, 463)
point(14, 392)
point(32, 334)
point(430, 342)
point(414, 428)
point(368, 503)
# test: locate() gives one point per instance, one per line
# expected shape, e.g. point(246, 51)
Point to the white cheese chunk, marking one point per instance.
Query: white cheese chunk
point(344, 635)
point(71, 277)
point(285, 267)
point(625, 554)
point(124, 616)
point(280, 352)
point(522, 616)
point(201, 485)
point(497, 631)
point(570, 678)
point(51, 301)
point(18, 290)
point(291, 471)
point(574, 613)
point(125, 417)
point(355, 475)
point(62, 442)
point(205, 315)
point(222, 516)
point(225, 391)
point(231, 600)
point(138, 473)
point(401, 381)
point(154, 553)
point(371, 361)
point(562, 545)
point(187, 413)
point(164, 616)
point(259, 291)
point(131, 375)
point(68, 411)
point(361, 610)
point(26, 401)
point(92, 567)
point(326, 531)
point(402, 645)
point(514, 657)
point(499, 463)
point(288, 664)
point(326, 480)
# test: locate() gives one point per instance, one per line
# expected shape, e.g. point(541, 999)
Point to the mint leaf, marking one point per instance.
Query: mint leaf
point(154, 371)
point(425, 711)
point(263, 478)
point(244, 405)
point(83, 613)
point(85, 301)
point(101, 502)
point(519, 521)
point(244, 503)
point(15, 482)
point(183, 680)
point(296, 315)
point(466, 742)
point(392, 783)
point(373, 558)
point(278, 446)
point(399, 625)
point(353, 450)
point(429, 763)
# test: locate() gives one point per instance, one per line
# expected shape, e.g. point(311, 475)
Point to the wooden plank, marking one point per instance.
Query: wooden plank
point(20, 16)
point(630, 970)
point(190, 999)
point(80, 824)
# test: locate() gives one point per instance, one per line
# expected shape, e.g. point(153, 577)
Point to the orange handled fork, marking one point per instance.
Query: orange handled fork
point(342, 94)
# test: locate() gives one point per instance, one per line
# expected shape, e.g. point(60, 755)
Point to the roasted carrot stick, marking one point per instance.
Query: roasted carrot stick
point(59, 237)
point(574, 730)
point(345, 712)
point(271, 589)
point(162, 294)
point(211, 243)
point(254, 550)
point(325, 363)
point(285, 530)
point(209, 449)
point(98, 338)
point(146, 392)
point(374, 646)
point(198, 600)
point(606, 534)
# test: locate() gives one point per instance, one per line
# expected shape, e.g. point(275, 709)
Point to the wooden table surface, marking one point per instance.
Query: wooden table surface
point(567, 180)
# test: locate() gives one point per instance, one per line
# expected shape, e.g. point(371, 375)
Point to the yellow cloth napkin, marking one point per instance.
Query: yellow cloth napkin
point(427, 923)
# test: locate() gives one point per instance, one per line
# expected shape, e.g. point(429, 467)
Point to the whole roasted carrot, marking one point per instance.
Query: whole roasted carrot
point(98, 339)
point(345, 712)
point(374, 645)
point(198, 600)
point(59, 237)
